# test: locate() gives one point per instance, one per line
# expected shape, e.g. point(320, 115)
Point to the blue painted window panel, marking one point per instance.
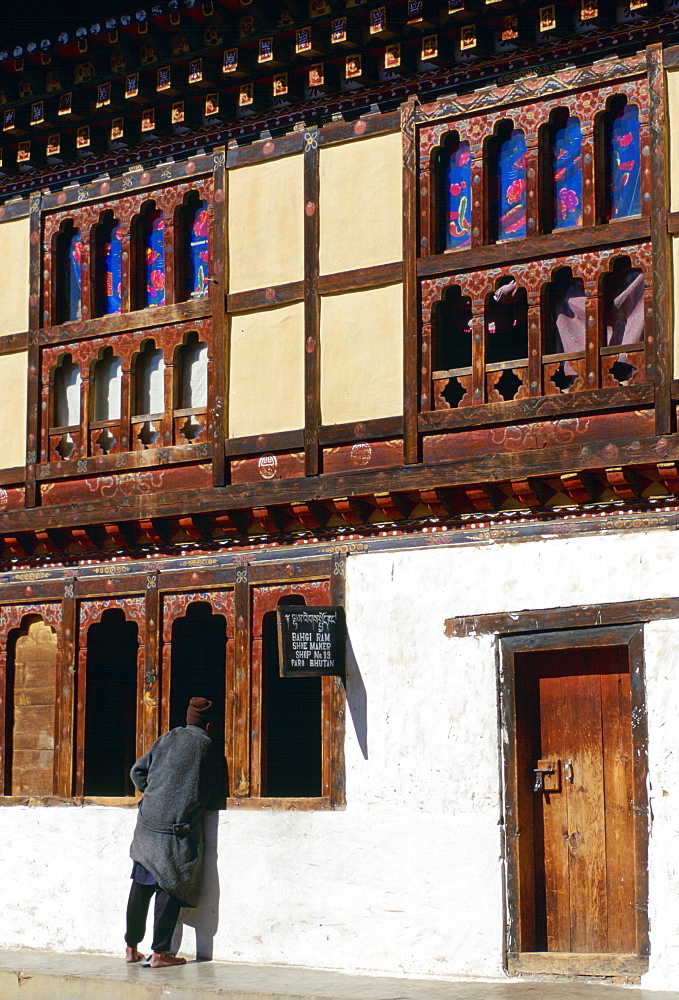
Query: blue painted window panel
point(199, 255)
point(155, 259)
point(74, 280)
point(458, 197)
point(511, 178)
point(625, 167)
point(567, 175)
point(113, 273)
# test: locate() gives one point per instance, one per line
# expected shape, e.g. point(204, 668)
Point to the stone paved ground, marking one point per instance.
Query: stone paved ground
point(39, 975)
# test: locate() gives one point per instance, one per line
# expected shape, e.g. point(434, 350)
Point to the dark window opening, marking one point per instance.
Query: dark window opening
point(291, 713)
point(452, 331)
point(506, 322)
point(198, 664)
point(111, 705)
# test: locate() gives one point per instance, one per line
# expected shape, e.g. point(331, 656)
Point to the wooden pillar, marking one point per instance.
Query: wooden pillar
point(66, 719)
point(221, 347)
point(148, 680)
point(169, 248)
point(478, 328)
point(478, 199)
point(337, 703)
point(532, 185)
point(659, 317)
point(593, 337)
point(33, 384)
point(312, 306)
point(240, 765)
point(534, 344)
point(411, 381)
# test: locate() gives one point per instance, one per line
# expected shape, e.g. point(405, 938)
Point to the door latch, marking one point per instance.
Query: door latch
point(547, 776)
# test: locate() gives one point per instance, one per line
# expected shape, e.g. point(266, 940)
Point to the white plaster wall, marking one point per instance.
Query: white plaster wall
point(409, 877)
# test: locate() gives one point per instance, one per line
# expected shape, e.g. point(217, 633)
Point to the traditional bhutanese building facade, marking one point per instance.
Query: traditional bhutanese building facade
point(356, 305)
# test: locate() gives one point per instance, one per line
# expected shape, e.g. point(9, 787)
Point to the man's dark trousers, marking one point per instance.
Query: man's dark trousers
point(166, 911)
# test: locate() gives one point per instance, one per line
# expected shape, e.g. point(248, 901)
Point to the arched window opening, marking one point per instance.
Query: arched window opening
point(68, 274)
point(453, 335)
point(108, 378)
point(623, 304)
point(31, 708)
point(149, 393)
point(566, 171)
point(506, 316)
point(148, 258)
point(507, 183)
point(198, 663)
point(193, 264)
point(109, 261)
point(622, 159)
point(110, 705)
point(66, 389)
point(564, 324)
point(454, 172)
point(291, 716)
point(149, 380)
point(191, 386)
point(155, 258)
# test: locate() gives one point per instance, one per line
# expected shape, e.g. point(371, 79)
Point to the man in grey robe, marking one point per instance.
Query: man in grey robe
point(167, 847)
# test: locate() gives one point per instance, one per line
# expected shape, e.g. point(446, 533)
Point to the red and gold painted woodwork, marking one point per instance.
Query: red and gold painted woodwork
point(87, 437)
point(593, 365)
point(85, 217)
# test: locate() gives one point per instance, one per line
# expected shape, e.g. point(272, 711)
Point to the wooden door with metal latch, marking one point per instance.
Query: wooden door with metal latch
point(576, 790)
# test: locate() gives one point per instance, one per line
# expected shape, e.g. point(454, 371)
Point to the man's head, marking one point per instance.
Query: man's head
point(199, 713)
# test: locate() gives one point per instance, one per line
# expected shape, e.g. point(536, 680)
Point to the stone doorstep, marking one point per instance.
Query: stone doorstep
point(41, 975)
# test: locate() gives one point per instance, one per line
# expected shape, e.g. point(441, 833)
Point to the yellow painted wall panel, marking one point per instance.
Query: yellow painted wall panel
point(266, 224)
point(13, 379)
point(266, 380)
point(360, 204)
point(675, 302)
point(673, 114)
point(14, 287)
point(362, 355)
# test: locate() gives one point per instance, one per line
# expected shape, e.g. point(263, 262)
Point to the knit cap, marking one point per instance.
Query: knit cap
point(198, 712)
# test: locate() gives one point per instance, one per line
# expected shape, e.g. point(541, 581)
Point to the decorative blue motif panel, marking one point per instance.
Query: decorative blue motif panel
point(74, 279)
point(624, 160)
point(199, 257)
point(567, 175)
point(112, 264)
point(511, 177)
point(458, 197)
point(155, 259)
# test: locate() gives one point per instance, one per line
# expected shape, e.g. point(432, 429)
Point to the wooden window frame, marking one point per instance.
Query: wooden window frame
point(519, 843)
point(73, 605)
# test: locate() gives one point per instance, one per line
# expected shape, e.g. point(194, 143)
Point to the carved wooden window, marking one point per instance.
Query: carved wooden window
point(542, 310)
point(622, 158)
point(507, 183)
point(193, 250)
point(68, 273)
point(108, 256)
point(110, 705)
point(191, 388)
point(65, 398)
point(453, 168)
point(561, 168)
point(149, 394)
point(107, 381)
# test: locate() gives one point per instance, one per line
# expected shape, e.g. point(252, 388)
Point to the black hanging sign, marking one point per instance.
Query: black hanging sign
point(311, 640)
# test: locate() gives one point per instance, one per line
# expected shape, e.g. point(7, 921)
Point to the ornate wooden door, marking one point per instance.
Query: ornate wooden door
point(582, 787)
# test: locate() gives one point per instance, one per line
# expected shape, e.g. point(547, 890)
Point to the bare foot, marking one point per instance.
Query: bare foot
point(161, 959)
point(132, 955)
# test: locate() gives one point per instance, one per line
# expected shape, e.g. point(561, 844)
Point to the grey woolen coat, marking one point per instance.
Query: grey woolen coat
point(168, 840)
